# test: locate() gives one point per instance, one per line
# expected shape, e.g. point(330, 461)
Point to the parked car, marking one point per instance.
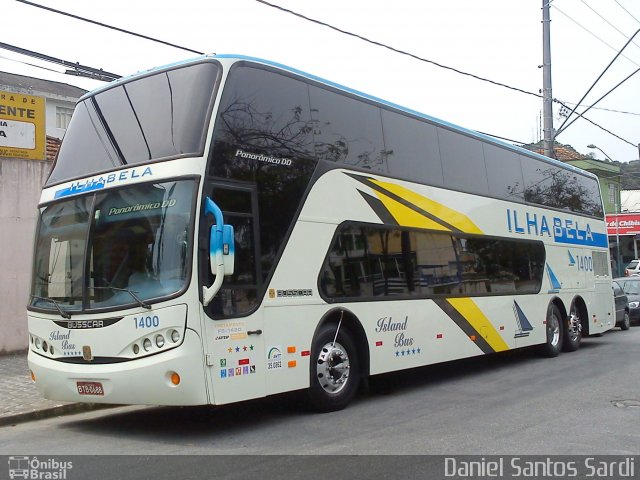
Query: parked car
point(622, 305)
point(631, 288)
point(633, 268)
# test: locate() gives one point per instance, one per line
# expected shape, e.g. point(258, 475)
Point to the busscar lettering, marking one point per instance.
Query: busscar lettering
point(304, 292)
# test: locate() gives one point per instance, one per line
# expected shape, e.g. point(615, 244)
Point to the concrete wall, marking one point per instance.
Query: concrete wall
point(20, 185)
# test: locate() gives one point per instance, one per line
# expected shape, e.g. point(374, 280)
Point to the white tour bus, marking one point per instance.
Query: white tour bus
point(229, 228)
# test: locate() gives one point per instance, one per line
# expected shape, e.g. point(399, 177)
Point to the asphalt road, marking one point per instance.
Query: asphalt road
point(581, 403)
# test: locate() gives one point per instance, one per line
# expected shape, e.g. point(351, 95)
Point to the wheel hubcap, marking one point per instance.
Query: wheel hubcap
point(553, 330)
point(575, 327)
point(332, 368)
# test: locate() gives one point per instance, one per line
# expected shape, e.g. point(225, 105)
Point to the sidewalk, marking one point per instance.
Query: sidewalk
point(19, 399)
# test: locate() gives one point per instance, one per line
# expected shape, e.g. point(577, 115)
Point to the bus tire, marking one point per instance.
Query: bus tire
point(554, 332)
point(334, 369)
point(572, 331)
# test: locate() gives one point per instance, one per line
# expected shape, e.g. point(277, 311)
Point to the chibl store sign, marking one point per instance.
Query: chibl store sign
point(623, 224)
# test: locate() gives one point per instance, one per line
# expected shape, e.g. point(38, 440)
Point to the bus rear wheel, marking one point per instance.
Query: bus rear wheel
point(334, 369)
point(554, 332)
point(572, 331)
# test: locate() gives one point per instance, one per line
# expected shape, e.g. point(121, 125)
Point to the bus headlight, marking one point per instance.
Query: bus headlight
point(159, 341)
point(146, 344)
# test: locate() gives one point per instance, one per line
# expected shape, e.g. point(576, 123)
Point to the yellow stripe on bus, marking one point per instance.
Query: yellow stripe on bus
point(448, 215)
point(472, 314)
point(407, 217)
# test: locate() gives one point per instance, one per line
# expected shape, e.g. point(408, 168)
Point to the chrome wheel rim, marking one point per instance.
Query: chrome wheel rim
point(575, 327)
point(553, 329)
point(332, 367)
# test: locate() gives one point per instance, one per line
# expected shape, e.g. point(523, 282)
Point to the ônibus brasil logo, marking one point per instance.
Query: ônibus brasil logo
point(38, 469)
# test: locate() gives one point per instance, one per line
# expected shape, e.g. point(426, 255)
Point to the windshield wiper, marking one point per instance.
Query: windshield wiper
point(61, 310)
point(130, 292)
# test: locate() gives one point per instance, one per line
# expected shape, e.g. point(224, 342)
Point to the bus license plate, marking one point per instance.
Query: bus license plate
point(90, 388)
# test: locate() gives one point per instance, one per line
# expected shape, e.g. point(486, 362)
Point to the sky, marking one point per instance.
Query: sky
point(499, 41)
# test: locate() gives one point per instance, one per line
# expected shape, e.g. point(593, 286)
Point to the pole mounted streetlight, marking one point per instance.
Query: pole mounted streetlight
point(591, 145)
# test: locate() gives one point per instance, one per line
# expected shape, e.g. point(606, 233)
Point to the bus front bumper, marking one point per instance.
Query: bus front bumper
point(145, 381)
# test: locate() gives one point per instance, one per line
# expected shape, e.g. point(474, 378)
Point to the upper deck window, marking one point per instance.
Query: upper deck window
point(155, 117)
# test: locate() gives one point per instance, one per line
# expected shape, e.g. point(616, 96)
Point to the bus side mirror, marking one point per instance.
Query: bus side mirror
point(221, 250)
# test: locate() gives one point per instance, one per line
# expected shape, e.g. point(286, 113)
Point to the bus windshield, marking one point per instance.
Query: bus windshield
point(120, 247)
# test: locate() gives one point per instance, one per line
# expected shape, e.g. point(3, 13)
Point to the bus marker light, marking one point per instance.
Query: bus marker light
point(379, 343)
point(501, 327)
point(175, 379)
point(292, 363)
point(305, 353)
point(473, 338)
point(33, 375)
point(439, 335)
point(175, 336)
point(291, 349)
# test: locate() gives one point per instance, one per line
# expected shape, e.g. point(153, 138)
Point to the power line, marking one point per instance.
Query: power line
point(416, 57)
point(601, 98)
point(597, 80)
point(594, 35)
point(29, 64)
point(396, 50)
point(620, 5)
point(606, 109)
point(122, 30)
point(77, 69)
point(599, 126)
point(608, 22)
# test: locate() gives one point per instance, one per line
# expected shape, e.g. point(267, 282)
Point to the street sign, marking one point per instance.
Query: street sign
point(22, 126)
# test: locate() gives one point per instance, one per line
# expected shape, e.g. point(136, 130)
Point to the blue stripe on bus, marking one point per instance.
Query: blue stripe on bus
point(595, 240)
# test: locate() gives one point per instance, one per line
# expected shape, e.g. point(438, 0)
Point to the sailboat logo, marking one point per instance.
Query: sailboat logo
point(524, 327)
point(572, 261)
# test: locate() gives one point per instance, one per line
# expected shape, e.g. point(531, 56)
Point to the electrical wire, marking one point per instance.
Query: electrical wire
point(607, 109)
point(608, 22)
point(594, 35)
point(560, 129)
point(620, 5)
point(122, 30)
point(29, 64)
point(396, 50)
point(416, 57)
point(601, 98)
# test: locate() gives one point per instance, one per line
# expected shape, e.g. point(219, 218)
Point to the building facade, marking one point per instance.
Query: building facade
point(21, 180)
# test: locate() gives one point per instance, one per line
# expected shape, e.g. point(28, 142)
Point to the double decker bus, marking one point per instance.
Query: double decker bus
point(229, 228)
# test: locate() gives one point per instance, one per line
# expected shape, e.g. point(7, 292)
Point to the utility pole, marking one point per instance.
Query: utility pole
point(547, 108)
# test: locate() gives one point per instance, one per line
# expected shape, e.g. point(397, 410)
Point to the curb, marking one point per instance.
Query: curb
point(58, 411)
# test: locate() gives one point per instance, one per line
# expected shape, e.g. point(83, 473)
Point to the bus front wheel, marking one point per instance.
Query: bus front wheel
point(334, 369)
point(554, 332)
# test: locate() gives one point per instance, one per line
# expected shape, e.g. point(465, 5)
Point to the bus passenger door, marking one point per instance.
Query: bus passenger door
point(234, 341)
